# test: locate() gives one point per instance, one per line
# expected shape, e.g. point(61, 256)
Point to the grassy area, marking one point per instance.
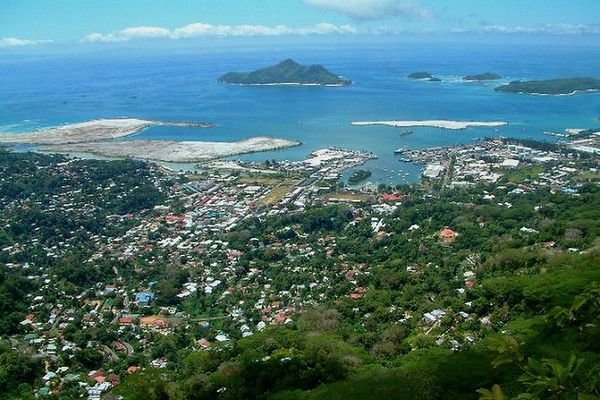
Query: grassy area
point(261, 180)
point(266, 180)
point(276, 195)
point(348, 196)
point(282, 187)
point(588, 177)
point(520, 175)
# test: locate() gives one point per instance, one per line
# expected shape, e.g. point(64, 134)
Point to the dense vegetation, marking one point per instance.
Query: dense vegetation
point(424, 76)
point(287, 71)
point(551, 86)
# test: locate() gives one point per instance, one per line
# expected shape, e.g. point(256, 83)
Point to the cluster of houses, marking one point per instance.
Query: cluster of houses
point(250, 293)
point(488, 161)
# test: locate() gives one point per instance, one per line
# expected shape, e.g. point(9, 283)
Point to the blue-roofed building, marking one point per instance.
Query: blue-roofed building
point(144, 298)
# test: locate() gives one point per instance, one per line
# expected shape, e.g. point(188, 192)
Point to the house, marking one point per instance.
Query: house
point(133, 369)
point(144, 298)
point(128, 320)
point(119, 346)
point(49, 376)
point(391, 197)
point(203, 343)
point(434, 316)
point(221, 337)
point(448, 235)
point(509, 163)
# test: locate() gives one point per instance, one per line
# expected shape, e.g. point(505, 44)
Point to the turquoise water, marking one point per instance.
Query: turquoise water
point(47, 91)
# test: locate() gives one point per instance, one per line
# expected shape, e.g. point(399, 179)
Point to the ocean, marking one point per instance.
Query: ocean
point(53, 90)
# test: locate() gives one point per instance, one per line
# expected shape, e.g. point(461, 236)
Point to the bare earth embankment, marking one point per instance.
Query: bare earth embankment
point(172, 151)
point(91, 131)
point(104, 129)
point(100, 137)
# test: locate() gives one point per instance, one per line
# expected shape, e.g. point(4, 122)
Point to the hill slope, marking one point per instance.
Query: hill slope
point(286, 72)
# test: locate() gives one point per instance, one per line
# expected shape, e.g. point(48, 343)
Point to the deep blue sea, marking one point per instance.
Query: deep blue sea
point(52, 90)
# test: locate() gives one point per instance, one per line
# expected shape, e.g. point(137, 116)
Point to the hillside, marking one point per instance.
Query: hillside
point(426, 76)
point(286, 72)
point(561, 86)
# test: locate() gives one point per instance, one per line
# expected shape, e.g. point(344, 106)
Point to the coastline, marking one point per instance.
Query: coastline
point(573, 93)
point(442, 124)
point(290, 84)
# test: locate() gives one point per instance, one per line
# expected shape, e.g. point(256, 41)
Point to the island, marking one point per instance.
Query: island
point(442, 124)
point(486, 76)
point(424, 76)
point(359, 176)
point(287, 72)
point(552, 87)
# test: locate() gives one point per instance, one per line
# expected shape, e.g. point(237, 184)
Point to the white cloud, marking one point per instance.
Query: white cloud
point(374, 9)
point(15, 42)
point(200, 29)
point(550, 29)
point(136, 32)
point(145, 32)
point(208, 30)
point(100, 37)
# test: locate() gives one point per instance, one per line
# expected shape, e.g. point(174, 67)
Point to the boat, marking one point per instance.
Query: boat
point(400, 150)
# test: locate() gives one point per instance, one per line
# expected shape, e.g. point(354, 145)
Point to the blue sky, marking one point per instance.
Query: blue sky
point(27, 23)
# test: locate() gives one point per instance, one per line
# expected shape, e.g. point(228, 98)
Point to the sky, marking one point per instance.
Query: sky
point(39, 23)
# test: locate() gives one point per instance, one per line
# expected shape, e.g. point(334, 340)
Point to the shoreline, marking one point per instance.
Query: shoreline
point(442, 124)
point(573, 93)
point(290, 84)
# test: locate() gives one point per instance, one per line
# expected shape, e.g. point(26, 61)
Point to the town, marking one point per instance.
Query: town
point(140, 255)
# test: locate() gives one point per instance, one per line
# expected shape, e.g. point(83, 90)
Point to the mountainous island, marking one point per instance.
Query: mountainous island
point(287, 72)
point(486, 76)
point(562, 86)
point(426, 76)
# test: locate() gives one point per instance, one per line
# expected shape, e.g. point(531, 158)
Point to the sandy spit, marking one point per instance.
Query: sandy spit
point(443, 124)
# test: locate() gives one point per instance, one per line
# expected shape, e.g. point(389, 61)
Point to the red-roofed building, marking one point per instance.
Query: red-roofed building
point(448, 235)
point(126, 320)
point(391, 197)
point(175, 218)
point(133, 369)
point(280, 318)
